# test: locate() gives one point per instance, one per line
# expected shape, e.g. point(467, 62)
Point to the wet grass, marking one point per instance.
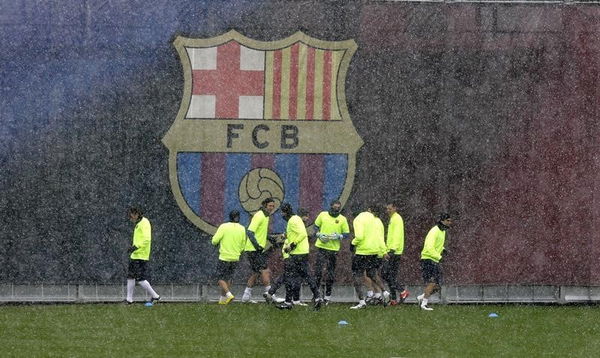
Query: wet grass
point(209, 330)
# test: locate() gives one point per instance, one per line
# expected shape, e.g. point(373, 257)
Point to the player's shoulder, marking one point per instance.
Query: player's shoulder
point(434, 230)
point(259, 216)
point(323, 214)
point(296, 219)
point(144, 222)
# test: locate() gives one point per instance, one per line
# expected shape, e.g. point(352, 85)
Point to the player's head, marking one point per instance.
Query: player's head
point(355, 210)
point(234, 216)
point(286, 211)
point(445, 219)
point(391, 208)
point(335, 207)
point(376, 209)
point(303, 213)
point(134, 213)
point(268, 205)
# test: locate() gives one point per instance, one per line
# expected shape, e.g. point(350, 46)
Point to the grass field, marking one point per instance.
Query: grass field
point(236, 330)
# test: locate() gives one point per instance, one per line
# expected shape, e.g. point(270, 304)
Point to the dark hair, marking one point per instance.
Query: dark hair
point(355, 210)
point(333, 202)
point(302, 212)
point(444, 216)
point(393, 204)
point(135, 211)
point(286, 208)
point(376, 209)
point(267, 201)
point(234, 216)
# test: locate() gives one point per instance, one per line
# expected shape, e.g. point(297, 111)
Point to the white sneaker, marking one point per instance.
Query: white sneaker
point(299, 303)
point(425, 308)
point(277, 299)
point(420, 299)
point(386, 298)
point(359, 306)
point(247, 299)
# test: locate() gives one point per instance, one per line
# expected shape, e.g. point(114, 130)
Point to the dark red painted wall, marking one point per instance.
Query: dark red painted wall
point(513, 92)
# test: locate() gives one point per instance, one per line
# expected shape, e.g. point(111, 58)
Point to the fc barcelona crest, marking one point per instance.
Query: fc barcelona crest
point(261, 119)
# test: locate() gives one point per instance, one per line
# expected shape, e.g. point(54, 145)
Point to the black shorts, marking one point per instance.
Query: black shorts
point(137, 269)
point(257, 260)
point(225, 270)
point(432, 272)
point(362, 263)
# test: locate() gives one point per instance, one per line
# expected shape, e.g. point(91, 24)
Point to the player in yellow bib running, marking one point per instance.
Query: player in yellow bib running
point(430, 259)
point(231, 238)
point(370, 250)
point(296, 264)
point(255, 247)
point(395, 245)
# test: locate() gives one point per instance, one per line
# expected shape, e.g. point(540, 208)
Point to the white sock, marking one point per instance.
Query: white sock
point(362, 302)
point(377, 295)
point(295, 302)
point(386, 294)
point(130, 288)
point(424, 303)
point(222, 299)
point(248, 291)
point(146, 285)
point(229, 294)
point(328, 298)
point(267, 288)
point(369, 293)
point(420, 297)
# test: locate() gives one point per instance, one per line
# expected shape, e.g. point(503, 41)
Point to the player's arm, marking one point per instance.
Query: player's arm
point(254, 224)
point(317, 224)
point(252, 238)
point(345, 232)
point(358, 233)
point(216, 239)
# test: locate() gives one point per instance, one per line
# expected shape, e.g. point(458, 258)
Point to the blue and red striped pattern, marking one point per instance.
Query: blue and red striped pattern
point(209, 182)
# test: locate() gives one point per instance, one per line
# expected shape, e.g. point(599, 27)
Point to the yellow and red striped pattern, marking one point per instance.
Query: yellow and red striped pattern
point(300, 83)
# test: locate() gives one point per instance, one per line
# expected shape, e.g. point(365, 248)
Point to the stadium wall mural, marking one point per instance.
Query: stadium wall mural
point(488, 111)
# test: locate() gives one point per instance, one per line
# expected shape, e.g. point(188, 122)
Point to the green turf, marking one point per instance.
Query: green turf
point(209, 330)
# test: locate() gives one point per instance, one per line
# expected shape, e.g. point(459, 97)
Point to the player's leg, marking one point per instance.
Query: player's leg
point(142, 281)
point(132, 275)
point(289, 273)
point(370, 288)
point(381, 294)
point(389, 271)
point(431, 278)
point(320, 262)
point(225, 274)
point(265, 272)
point(330, 274)
point(255, 266)
point(305, 276)
point(358, 274)
point(399, 285)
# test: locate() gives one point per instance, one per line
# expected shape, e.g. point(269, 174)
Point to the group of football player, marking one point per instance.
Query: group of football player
point(376, 258)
